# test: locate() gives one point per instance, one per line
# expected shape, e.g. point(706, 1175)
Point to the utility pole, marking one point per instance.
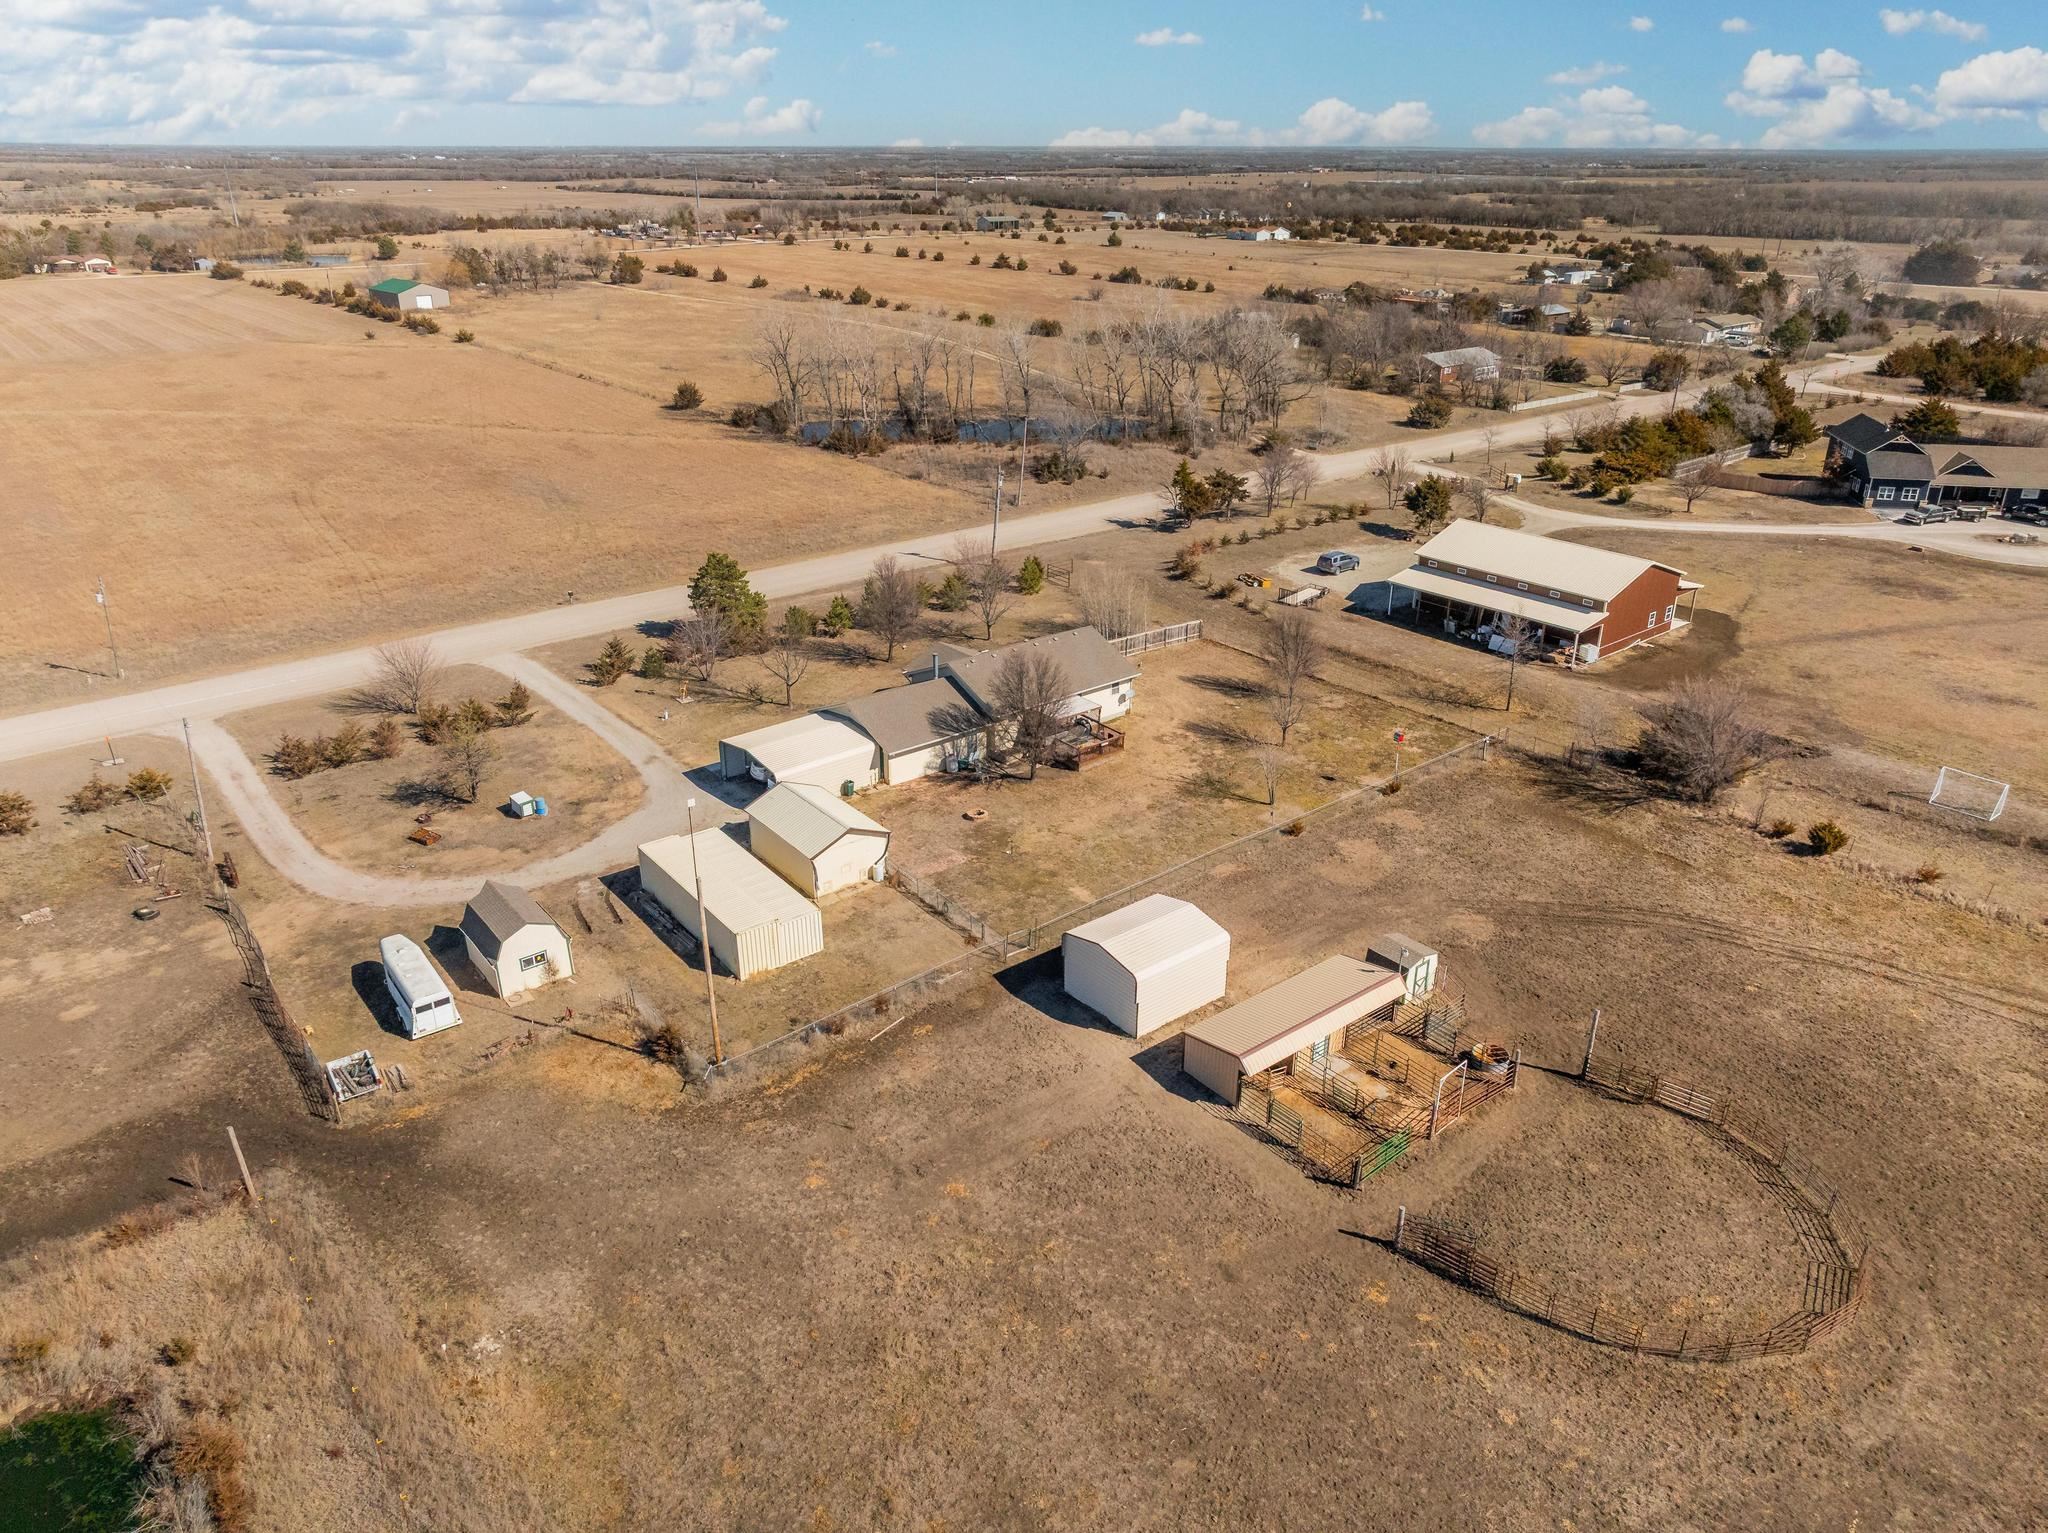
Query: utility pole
point(996, 526)
point(199, 797)
point(100, 595)
point(704, 937)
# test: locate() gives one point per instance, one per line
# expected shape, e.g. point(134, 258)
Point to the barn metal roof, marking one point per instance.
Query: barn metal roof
point(739, 892)
point(1568, 616)
point(799, 744)
point(394, 285)
point(1546, 562)
point(1314, 992)
point(810, 819)
point(1152, 934)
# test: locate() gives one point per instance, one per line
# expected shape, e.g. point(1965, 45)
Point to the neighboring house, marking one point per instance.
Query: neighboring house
point(98, 264)
point(406, 295)
point(1262, 234)
point(1586, 601)
point(1473, 362)
point(1103, 677)
point(1114, 217)
point(1725, 329)
point(985, 222)
point(203, 263)
point(512, 942)
point(1146, 965)
point(815, 839)
point(1311, 1014)
point(756, 921)
point(1571, 276)
point(1888, 471)
point(1554, 314)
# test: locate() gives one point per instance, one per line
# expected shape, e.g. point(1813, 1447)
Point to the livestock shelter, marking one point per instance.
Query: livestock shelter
point(1309, 1013)
point(756, 921)
point(815, 839)
point(1415, 963)
point(512, 942)
point(1585, 603)
point(407, 296)
point(1148, 964)
point(824, 752)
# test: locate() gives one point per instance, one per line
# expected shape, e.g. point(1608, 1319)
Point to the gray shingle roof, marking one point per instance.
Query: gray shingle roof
point(1861, 433)
point(1089, 661)
point(498, 912)
point(909, 718)
point(1900, 463)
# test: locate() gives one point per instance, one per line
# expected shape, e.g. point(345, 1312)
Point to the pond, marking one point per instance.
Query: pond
point(68, 1472)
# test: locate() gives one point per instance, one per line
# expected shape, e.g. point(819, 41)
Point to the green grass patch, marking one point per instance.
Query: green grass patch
point(68, 1472)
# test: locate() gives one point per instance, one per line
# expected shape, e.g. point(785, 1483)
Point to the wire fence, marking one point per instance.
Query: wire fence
point(1837, 1259)
point(308, 1074)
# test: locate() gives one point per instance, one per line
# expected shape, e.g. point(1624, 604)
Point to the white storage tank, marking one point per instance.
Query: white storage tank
point(417, 989)
point(1148, 964)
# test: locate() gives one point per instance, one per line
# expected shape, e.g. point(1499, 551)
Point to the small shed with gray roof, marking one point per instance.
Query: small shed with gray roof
point(816, 840)
point(512, 942)
point(1148, 964)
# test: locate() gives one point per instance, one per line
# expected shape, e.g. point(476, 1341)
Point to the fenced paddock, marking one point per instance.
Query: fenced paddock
point(1836, 1258)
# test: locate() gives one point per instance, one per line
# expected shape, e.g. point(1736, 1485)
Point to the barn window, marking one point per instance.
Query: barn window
point(1521, 585)
point(1671, 613)
point(1884, 492)
point(1430, 562)
point(1553, 593)
point(533, 961)
point(1585, 601)
point(1493, 580)
point(1652, 623)
point(1463, 571)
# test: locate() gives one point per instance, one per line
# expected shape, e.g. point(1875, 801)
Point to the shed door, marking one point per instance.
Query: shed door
point(1319, 1051)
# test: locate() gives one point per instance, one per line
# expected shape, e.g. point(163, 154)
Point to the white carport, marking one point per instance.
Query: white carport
point(814, 749)
point(1309, 1011)
point(1565, 617)
point(815, 839)
point(1147, 964)
point(757, 922)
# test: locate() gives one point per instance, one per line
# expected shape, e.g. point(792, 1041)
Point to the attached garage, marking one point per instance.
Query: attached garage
point(1310, 1011)
point(816, 840)
point(827, 753)
point(757, 922)
point(1147, 964)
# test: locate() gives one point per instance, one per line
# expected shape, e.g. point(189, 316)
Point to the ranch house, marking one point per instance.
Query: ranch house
point(1582, 604)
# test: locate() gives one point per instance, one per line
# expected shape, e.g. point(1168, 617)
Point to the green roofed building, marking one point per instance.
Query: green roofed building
point(404, 294)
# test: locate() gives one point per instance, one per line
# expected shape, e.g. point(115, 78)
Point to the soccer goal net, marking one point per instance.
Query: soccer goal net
point(1981, 798)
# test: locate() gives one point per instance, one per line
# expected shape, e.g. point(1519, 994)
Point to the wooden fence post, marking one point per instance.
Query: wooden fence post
point(248, 1182)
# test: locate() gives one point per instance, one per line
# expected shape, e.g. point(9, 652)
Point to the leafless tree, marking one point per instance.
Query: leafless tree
point(466, 756)
point(988, 575)
point(1693, 481)
point(1272, 761)
point(1518, 640)
point(1293, 651)
point(1702, 739)
point(1113, 601)
point(1028, 693)
point(698, 642)
point(1390, 467)
point(1613, 360)
point(406, 675)
point(784, 349)
point(1279, 472)
point(1653, 306)
point(891, 603)
point(1833, 271)
point(787, 658)
point(1476, 491)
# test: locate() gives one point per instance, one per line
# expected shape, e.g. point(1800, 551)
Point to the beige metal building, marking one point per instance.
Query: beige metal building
point(812, 748)
point(1148, 964)
point(1310, 1011)
point(513, 943)
point(757, 922)
point(816, 840)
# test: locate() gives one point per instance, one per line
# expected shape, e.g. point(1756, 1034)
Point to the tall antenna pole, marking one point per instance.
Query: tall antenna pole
point(704, 937)
point(199, 797)
point(100, 595)
point(995, 527)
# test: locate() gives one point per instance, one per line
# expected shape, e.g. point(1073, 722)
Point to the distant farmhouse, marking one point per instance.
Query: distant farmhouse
point(1262, 233)
point(406, 295)
point(1889, 470)
point(997, 222)
point(1466, 362)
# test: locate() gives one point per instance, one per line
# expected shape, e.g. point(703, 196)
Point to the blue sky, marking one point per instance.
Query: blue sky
point(1312, 73)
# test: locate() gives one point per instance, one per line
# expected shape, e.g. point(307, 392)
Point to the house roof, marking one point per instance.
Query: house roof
point(497, 913)
point(1568, 616)
point(1861, 433)
point(810, 819)
point(796, 745)
point(1271, 1014)
point(1463, 356)
point(1907, 462)
point(394, 285)
point(1152, 934)
point(909, 718)
point(1089, 661)
point(739, 891)
point(1546, 562)
point(2017, 468)
point(1728, 321)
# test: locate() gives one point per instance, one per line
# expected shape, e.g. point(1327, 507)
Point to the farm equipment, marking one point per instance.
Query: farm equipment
point(1256, 581)
point(1305, 596)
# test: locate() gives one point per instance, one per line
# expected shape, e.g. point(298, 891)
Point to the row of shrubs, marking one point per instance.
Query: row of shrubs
point(1187, 559)
point(347, 298)
point(297, 756)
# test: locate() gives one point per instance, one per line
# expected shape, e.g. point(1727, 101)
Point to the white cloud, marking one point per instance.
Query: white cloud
point(1607, 117)
point(881, 50)
point(1166, 37)
point(1822, 102)
point(1329, 121)
point(1369, 14)
point(2013, 81)
point(1640, 24)
point(908, 143)
point(1737, 24)
point(191, 70)
point(758, 120)
point(1586, 74)
point(1898, 23)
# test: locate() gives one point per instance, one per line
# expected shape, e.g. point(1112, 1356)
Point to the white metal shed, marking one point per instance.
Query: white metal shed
point(1147, 964)
point(813, 749)
point(757, 922)
point(1309, 1011)
point(512, 942)
point(816, 839)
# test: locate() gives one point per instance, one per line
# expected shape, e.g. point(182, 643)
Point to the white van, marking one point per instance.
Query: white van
point(417, 989)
